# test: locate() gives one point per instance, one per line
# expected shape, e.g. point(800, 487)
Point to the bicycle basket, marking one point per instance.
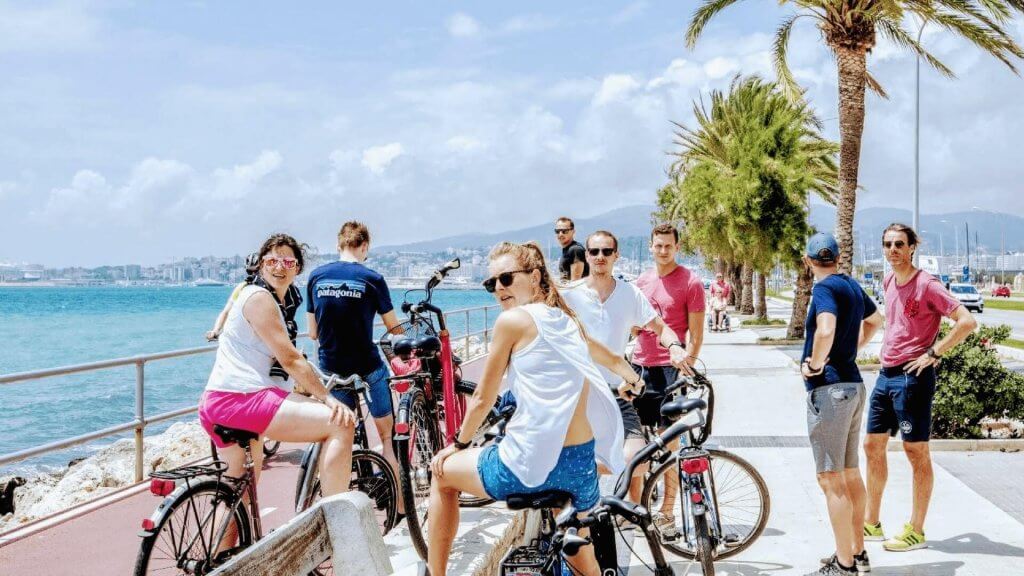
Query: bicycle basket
point(184, 472)
point(523, 561)
point(408, 329)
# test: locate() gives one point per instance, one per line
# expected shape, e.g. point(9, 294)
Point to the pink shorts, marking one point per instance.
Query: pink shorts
point(252, 412)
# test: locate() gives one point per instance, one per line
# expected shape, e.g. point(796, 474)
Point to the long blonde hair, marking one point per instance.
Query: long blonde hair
point(529, 256)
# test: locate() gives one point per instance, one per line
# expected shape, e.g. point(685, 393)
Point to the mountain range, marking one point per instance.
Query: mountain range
point(992, 229)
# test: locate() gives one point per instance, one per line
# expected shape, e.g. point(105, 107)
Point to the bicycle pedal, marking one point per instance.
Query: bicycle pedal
point(731, 540)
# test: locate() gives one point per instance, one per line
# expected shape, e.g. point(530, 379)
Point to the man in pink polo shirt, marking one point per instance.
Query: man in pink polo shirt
point(915, 303)
point(677, 295)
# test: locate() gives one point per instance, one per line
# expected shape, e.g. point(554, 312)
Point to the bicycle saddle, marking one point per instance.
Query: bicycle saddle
point(465, 387)
point(234, 435)
point(677, 408)
point(538, 500)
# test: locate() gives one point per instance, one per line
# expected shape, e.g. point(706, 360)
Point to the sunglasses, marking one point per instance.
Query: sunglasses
point(604, 251)
point(563, 230)
point(506, 279)
point(286, 263)
point(896, 243)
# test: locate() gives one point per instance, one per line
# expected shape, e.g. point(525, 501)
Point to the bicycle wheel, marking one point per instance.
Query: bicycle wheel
point(414, 457)
point(182, 540)
point(372, 476)
point(738, 512)
point(270, 447)
point(705, 548)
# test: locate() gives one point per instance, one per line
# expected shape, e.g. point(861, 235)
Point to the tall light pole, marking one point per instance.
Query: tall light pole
point(917, 137)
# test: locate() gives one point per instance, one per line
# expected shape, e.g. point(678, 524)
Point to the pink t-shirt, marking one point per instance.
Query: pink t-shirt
point(912, 315)
point(673, 297)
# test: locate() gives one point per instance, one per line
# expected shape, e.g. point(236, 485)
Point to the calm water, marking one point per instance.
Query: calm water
point(50, 327)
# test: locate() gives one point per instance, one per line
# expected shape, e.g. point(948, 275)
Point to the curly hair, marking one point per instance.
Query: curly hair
point(279, 240)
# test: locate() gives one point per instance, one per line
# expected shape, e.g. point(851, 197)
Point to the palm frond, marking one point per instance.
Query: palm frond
point(780, 48)
point(708, 10)
point(897, 35)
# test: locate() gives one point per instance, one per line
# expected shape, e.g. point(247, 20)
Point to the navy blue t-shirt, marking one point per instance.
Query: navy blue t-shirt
point(842, 296)
point(345, 297)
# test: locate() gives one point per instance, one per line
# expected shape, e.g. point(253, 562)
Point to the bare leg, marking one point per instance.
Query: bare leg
point(878, 475)
point(671, 483)
point(460, 475)
point(858, 497)
point(302, 419)
point(920, 458)
point(840, 511)
point(385, 426)
point(630, 448)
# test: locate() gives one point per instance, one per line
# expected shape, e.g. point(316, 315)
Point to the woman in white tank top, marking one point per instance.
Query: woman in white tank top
point(241, 392)
point(566, 420)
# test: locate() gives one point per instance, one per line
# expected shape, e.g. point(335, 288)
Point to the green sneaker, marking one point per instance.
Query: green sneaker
point(910, 539)
point(873, 532)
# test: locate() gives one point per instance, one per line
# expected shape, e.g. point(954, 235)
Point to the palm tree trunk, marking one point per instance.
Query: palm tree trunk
point(761, 303)
point(852, 65)
point(747, 303)
point(737, 285)
point(801, 301)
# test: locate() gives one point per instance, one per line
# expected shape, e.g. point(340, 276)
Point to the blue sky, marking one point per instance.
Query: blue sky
point(145, 131)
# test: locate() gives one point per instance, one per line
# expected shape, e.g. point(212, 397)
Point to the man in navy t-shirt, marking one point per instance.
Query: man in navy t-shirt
point(342, 300)
point(841, 319)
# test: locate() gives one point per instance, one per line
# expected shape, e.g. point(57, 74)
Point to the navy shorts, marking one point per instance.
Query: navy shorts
point(902, 401)
point(378, 401)
point(575, 473)
point(648, 406)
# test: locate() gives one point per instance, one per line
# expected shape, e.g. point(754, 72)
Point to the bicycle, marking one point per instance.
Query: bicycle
point(372, 473)
point(432, 393)
point(715, 520)
point(553, 541)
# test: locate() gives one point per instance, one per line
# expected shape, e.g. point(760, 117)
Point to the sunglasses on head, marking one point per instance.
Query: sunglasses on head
point(605, 251)
point(563, 230)
point(896, 243)
point(287, 263)
point(506, 279)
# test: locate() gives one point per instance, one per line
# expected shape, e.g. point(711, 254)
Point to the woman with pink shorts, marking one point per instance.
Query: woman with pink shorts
point(241, 392)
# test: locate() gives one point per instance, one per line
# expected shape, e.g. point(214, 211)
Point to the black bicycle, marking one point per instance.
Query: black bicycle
point(553, 542)
point(371, 473)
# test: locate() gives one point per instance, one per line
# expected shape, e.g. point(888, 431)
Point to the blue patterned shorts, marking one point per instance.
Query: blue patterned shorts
point(575, 473)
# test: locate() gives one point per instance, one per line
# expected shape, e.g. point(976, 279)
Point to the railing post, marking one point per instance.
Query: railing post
point(140, 415)
point(466, 354)
point(487, 332)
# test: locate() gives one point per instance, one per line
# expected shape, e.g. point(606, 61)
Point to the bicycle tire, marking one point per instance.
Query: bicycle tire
point(748, 526)
point(414, 456)
point(308, 470)
point(373, 476)
point(270, 447)
point(164, 531)
point(705, 546)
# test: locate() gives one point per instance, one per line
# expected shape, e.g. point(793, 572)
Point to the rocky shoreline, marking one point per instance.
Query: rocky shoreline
point(110, 469)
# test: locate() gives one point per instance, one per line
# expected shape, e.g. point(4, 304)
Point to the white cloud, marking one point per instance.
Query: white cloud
point(573, 89)
point(462, 25)
point(237, 181)
point(631, 12)
point(52, 29)
point(615, 87)
point(464, 144)
point(720, 67)
point(528, 23)
point(376, 159)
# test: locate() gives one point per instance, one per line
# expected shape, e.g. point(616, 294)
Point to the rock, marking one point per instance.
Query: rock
point(111, 468)
point(7, 494)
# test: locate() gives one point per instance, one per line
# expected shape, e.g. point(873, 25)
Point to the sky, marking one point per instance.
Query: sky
point(147, 131)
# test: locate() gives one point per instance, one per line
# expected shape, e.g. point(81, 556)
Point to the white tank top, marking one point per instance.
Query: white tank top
point(243, 360)
point(547, 378)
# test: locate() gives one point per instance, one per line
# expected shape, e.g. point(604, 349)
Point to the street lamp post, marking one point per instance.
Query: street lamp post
point(917, 137)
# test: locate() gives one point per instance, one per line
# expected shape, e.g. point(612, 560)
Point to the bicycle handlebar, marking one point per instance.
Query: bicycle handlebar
point(334, 382)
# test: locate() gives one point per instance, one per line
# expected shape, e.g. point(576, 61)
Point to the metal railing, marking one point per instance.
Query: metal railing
point(140, 421)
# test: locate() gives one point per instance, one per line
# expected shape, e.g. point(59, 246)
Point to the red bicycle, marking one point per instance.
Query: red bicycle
point(432, 401)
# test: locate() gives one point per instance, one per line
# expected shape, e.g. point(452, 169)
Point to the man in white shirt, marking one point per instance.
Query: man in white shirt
point(610, 311)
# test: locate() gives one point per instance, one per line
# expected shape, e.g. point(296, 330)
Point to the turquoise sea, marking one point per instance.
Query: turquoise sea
point(49, 327)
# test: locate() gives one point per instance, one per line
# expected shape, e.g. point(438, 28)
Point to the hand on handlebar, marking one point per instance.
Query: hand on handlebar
point(630, 391)
point(341, 415)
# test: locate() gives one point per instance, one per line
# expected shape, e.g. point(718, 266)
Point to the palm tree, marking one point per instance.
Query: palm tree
point(741, 180)
point(849, 28)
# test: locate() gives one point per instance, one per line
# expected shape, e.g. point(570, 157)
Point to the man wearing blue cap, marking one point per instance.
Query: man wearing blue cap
point(840, 320)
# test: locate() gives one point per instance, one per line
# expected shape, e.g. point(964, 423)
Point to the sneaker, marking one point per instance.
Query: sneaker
point(860, 561)
point(909, 539)
point(832, 568)
point(873, 532)
point(666, 525)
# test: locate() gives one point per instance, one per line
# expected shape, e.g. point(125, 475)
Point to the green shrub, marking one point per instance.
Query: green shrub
point(973, 384)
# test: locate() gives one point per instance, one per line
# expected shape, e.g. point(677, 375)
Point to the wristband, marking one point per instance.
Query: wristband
point(933, 353)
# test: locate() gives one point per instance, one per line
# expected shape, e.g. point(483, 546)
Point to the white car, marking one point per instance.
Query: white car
point(968, 296)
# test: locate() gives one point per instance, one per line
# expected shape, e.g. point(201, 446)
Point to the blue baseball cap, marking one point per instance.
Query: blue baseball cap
point(822, 247)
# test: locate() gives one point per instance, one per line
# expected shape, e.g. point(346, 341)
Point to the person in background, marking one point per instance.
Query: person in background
point(841, 319)
point(915, 304)
point(573, 263)
point(720, 290)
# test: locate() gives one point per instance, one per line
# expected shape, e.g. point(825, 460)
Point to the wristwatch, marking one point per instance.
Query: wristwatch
point(677, 343)
point(456, 443)
point(933, 354)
